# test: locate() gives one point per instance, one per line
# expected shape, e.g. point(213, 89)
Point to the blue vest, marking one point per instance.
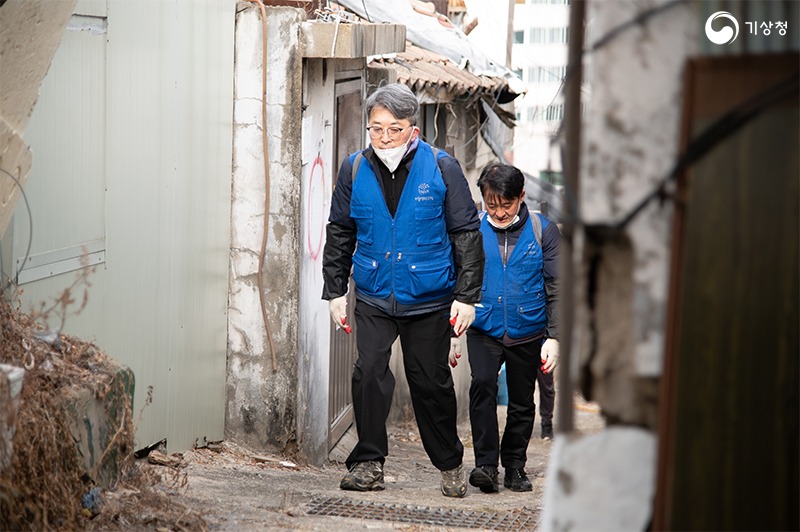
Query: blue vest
point(513, 299)
point(409, 255)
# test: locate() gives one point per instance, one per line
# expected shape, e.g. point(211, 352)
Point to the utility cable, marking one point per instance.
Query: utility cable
point(721, 129)
point(366, 13)
point(609, 36)
point(576, 59)
point(30, 231)
point(263, 251)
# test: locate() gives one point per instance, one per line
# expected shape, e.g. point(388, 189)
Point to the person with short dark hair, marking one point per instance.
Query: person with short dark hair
point(403, 217)
point(516, 323)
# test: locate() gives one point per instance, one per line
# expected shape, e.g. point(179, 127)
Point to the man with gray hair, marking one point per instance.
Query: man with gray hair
point(403, 218)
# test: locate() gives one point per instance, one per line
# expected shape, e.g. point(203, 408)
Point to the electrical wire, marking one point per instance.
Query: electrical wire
point(614, 32)
point(609, 36)
point(577, 59)
point(718, 131)
point(30, 232)
point(263, 251)
point(366, 13)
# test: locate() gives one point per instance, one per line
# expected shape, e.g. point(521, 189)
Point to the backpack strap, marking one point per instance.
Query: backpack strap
point(356, 163)
point(536, 225)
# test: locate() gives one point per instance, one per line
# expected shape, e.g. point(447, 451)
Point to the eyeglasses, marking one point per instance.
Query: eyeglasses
point(376, 132)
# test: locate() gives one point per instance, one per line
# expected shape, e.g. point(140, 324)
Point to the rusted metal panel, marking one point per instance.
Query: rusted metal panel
point(423, 70)
point(729, 438)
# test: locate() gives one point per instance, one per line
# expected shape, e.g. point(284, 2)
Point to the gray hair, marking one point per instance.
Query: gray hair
point(397, 99)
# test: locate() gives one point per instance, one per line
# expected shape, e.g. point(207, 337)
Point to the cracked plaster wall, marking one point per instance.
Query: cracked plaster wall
point(630, 137)
point(630, 142)
point(260, 402)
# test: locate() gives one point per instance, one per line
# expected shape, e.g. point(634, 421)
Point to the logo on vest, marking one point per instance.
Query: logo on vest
point(422, 190)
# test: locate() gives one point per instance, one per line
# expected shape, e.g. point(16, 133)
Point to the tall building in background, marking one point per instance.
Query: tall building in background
point(530, 37)
point(539, 57)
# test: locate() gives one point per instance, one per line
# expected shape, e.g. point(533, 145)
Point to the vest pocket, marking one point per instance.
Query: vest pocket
point(483, 317)
point(365, 273)
point(429, 224)
point(362, 215)
point(429, 277)
point(533, 313)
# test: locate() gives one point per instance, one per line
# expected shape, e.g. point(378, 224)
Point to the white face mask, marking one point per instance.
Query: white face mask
point(508, 224)
point(391, 157)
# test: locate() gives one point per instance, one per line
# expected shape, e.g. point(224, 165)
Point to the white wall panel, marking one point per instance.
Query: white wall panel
point(170, 82)
point(132, 139)
point(66, 187)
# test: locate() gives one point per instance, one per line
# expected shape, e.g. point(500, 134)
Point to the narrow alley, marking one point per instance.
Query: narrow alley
point(238, 490)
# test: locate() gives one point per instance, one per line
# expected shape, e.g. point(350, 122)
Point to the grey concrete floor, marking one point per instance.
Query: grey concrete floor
point(238, 489)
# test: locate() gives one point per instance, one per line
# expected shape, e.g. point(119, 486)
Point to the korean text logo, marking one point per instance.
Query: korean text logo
point(727, 34)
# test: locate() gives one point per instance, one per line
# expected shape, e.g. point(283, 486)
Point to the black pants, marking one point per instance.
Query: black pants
point(425, 340)
point(523, 364)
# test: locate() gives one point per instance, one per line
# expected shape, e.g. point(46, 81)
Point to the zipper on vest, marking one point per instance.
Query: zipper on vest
point(394, 287)
point(503, 298)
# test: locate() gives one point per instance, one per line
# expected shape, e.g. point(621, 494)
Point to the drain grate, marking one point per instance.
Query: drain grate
point(340, 507)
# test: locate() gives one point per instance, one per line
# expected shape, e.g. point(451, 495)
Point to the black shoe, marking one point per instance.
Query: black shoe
point(517, 480)
point(547, 430)
point(485, 478)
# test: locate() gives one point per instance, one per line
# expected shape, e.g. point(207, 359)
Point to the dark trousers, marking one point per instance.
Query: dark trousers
point(425, 340)
point(523, 364)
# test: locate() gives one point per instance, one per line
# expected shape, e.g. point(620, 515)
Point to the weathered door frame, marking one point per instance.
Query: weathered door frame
point(348, 137)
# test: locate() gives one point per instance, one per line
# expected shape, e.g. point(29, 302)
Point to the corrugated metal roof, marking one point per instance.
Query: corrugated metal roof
point(456, 5)
point(421, 69)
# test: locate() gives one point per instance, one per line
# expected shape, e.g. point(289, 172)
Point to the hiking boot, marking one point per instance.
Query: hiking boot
point(454, 482)
point(517, 480)
point(485, 478)
point(547, 430)
point(363, 476)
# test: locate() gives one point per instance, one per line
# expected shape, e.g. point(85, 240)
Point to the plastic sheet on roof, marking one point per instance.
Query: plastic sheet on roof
point(426, 32)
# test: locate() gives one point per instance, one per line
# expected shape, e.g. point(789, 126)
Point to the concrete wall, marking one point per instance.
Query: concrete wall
point(261, 400)
point(630, 142)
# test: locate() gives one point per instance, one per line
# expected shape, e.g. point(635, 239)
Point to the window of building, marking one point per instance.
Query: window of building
point(549, 74)
point(554, 113)
point(548, 35)
point(519, 37)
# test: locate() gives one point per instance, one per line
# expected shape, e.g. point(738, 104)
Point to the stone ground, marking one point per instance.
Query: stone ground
point(236, 489)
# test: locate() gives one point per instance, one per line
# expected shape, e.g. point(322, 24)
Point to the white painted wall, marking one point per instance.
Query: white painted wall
point(318, 174)
point(261, 400)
